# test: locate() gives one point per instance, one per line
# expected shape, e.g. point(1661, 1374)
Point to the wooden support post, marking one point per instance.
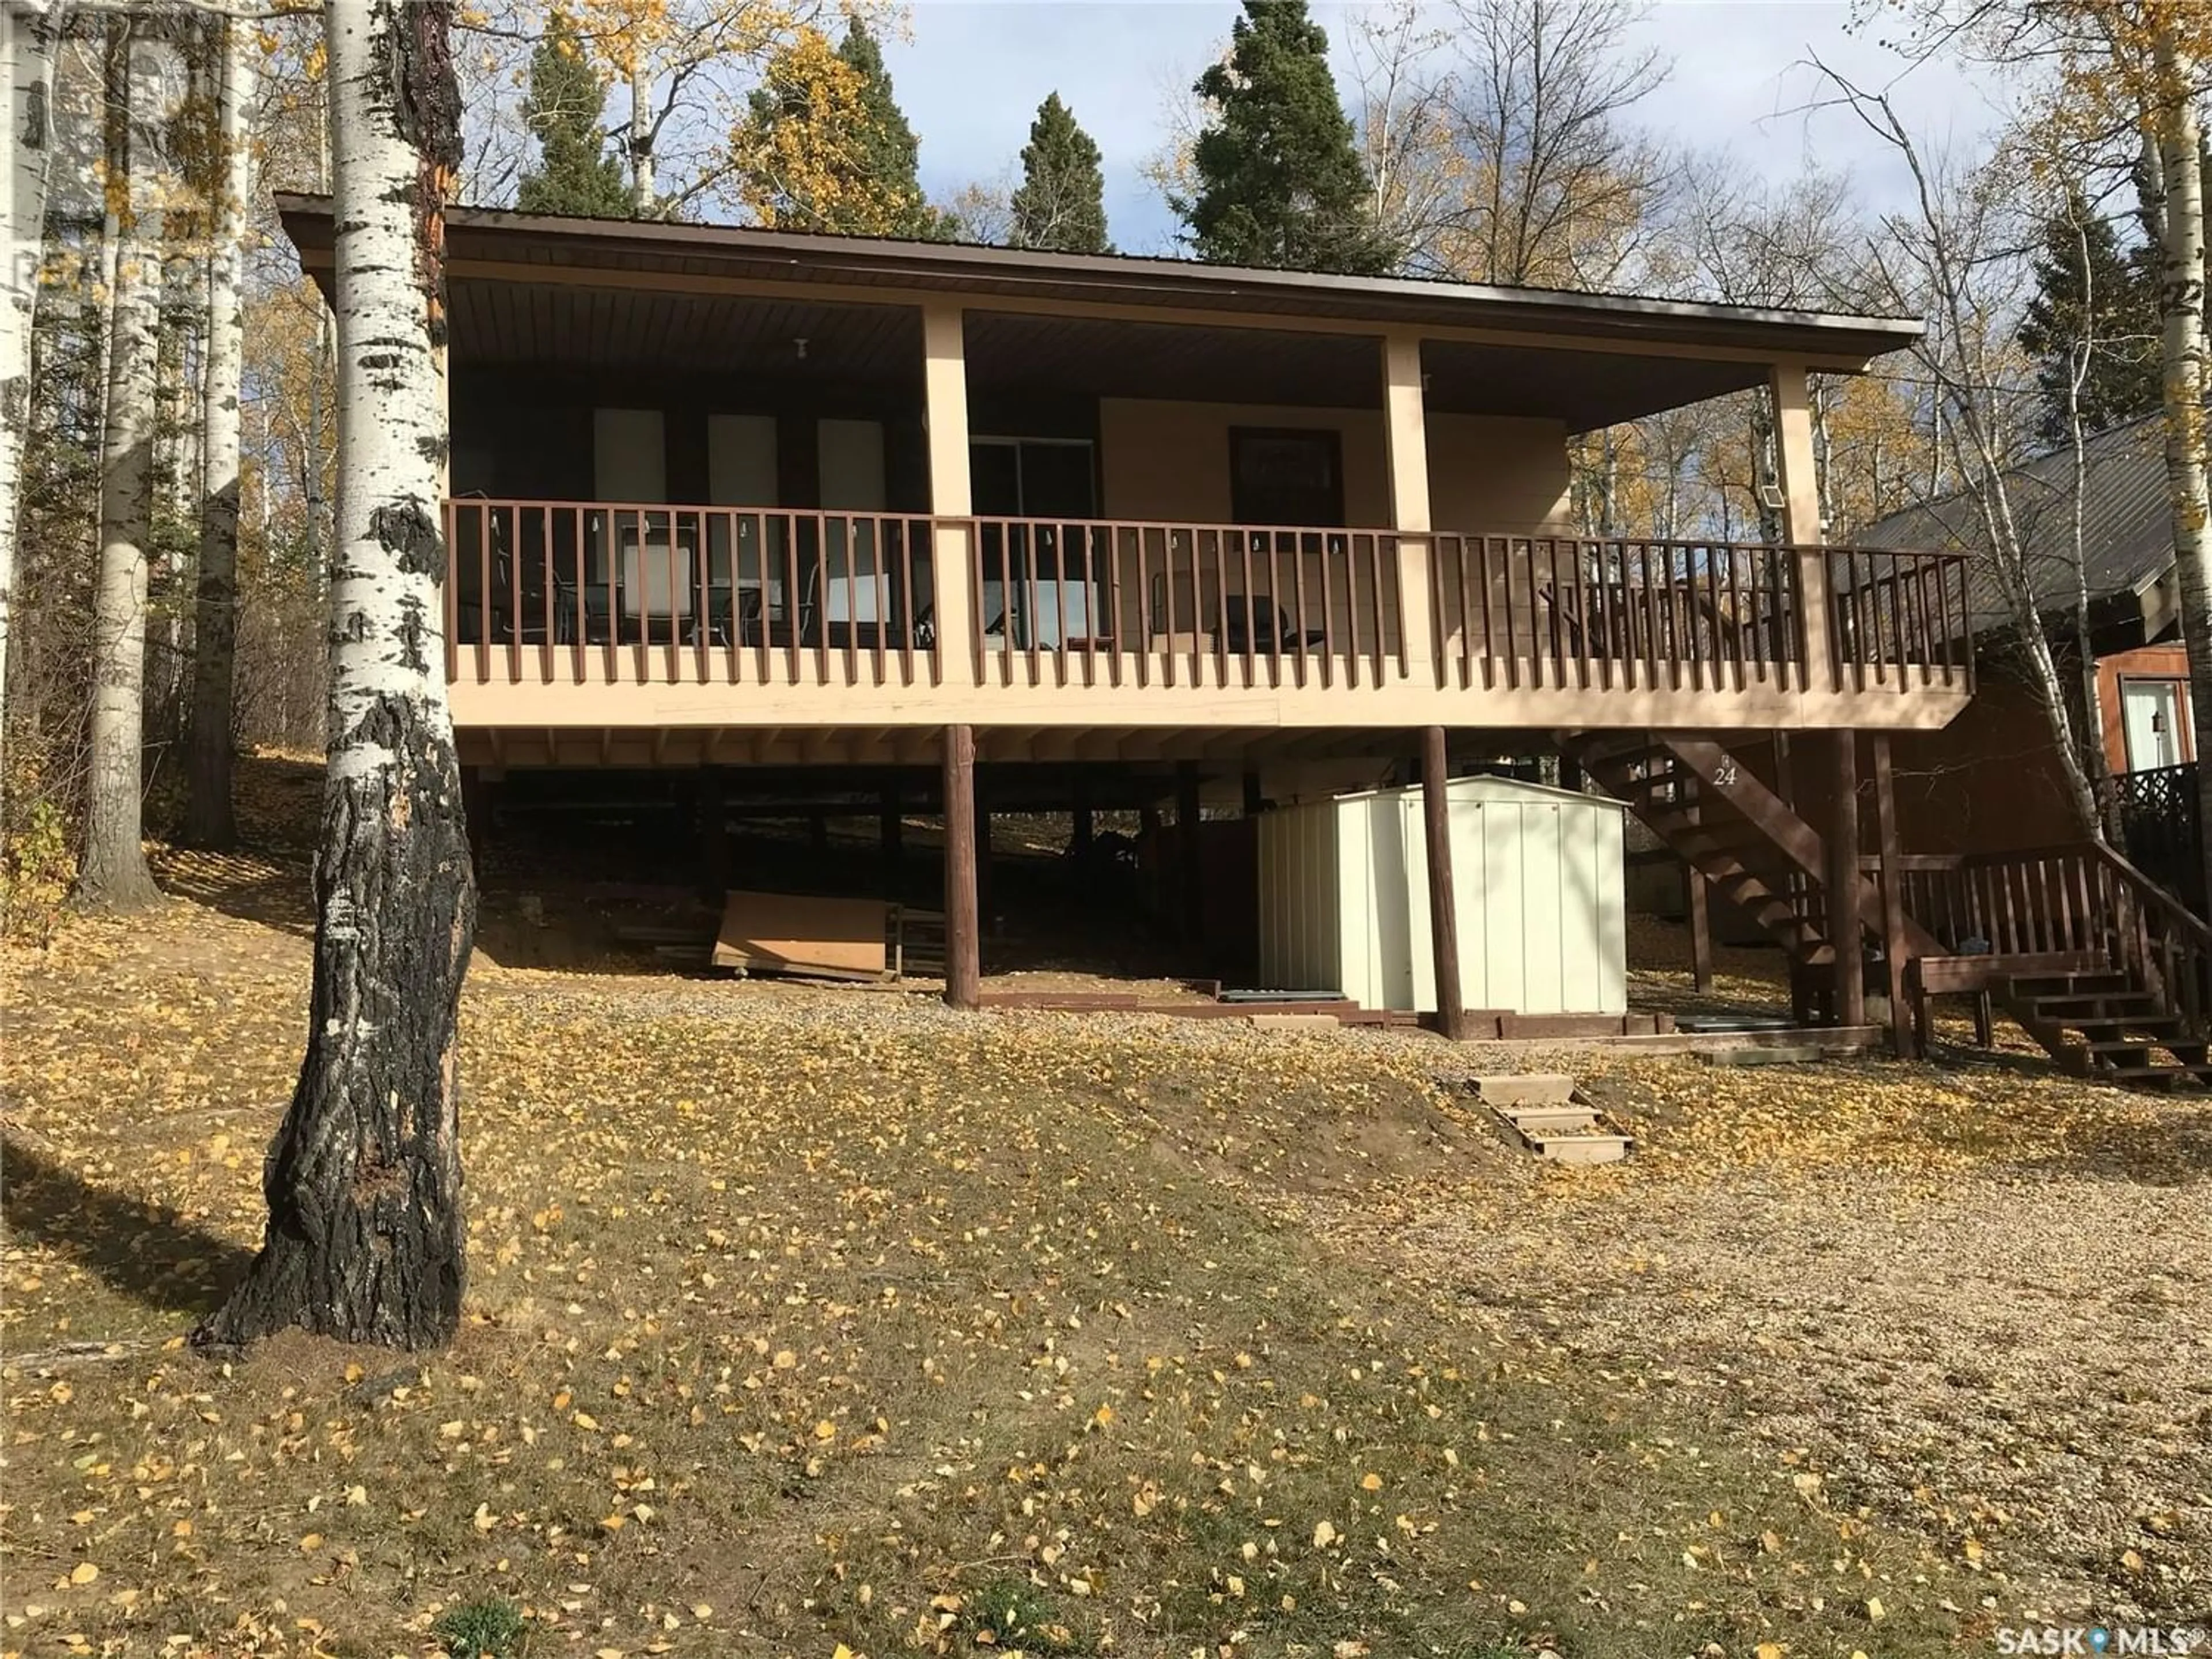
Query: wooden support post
point(1696, 895)
point(714, 812)
point(1191, 922)
point(1894, 945)
point(1081, 830)
point(1701, 927)
point(891, 832)
point(1444, 913)
point(1571, 774)
point(1785, 789)
point(1254, 802)
point(964, 975)
point(1842, 882)
point(818, 832)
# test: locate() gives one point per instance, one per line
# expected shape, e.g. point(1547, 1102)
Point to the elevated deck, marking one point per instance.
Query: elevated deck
point(576, 619)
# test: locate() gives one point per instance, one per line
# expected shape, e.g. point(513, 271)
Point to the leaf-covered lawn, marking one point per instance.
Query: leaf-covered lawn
point(810, 1318)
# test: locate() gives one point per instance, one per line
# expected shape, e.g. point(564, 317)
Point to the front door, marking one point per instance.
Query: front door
point(2152, 714)
point(1039, 584)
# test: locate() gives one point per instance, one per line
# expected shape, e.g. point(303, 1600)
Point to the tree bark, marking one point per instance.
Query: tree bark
point(28, 30)
point(2181, 317)
point(364, 1235)
point(112, 874)
point(208, 821)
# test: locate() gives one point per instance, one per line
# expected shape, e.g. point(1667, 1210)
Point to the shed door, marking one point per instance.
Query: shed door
point(2152, 713)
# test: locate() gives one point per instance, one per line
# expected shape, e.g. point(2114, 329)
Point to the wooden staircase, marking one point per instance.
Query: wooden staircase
point(2112, 1024)
point(2108, 971)
point(1747, 842)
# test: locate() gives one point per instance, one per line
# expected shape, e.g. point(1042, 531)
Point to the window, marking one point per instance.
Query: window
point(1291, 475)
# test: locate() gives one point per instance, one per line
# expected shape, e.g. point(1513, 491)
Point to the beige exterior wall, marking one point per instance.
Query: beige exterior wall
point(1490, 472)
point(1165, 459)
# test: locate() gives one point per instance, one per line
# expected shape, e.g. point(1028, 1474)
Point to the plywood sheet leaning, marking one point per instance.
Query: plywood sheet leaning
point(795, 933)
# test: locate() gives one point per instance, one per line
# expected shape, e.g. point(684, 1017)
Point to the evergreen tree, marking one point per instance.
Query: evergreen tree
point(1062, 201)
point(1279, 183)
point(574, 174)
point(825, 147)
point(2111, 299)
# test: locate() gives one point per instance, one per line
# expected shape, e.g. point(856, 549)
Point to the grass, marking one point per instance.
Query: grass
point(804, 1321)
point(490, 1629)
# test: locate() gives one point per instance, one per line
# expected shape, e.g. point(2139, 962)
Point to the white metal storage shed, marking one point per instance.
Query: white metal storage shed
point(1537, 877)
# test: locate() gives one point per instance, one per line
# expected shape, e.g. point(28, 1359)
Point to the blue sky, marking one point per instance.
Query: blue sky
point(973, 72)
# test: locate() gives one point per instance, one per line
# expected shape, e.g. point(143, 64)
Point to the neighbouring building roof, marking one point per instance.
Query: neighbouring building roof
point(2127, 530)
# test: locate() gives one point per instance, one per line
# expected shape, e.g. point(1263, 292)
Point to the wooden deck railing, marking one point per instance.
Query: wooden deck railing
point(650, 592)
point(629, 591)
point(1092, 602)
point(1897, 619)
point(1548, 610)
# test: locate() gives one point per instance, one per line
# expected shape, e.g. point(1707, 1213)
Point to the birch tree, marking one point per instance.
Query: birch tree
point(28, 29)
point(111, 873)
point(208, 818)
point(1955, 256)
point(364, 1235)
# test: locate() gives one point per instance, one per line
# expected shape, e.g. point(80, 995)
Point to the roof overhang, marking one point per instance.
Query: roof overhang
point(1637, 354)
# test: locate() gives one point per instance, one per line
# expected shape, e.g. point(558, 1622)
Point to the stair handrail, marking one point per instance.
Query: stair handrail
point(2164, 943)
point(2160, 896)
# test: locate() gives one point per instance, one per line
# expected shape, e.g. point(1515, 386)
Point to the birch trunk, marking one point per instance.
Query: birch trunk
point(2180, 222)
point(112, 874)
point(364, 1235)
point(642, 201)
point(27, 31)
point(207, 817)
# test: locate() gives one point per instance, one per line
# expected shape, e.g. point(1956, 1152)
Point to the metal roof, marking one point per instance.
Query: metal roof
point(2127, 527)
point(497, 235)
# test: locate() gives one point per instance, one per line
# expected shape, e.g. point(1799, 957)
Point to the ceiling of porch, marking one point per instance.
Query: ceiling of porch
point(608, 332)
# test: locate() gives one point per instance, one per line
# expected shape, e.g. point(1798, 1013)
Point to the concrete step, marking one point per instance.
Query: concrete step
point(1778, 1054)
point(1535, 1121)
point(1529, 1089)
point(1582, 1149)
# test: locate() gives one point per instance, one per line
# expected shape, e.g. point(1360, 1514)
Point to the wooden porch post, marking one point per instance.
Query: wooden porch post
point(962, 951)
point(1443, 912)
point(1701, 927)
point(1842, 882)
point(1405, 427)
point(1893, 946)
point(1254, 801)
point(944, 414)
point(1801, 521)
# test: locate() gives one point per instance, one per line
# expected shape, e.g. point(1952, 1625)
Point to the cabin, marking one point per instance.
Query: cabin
point(1993, 778)
point(746, 511)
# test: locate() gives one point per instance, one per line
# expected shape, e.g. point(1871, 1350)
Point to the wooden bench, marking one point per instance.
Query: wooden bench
point(1978, 976)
